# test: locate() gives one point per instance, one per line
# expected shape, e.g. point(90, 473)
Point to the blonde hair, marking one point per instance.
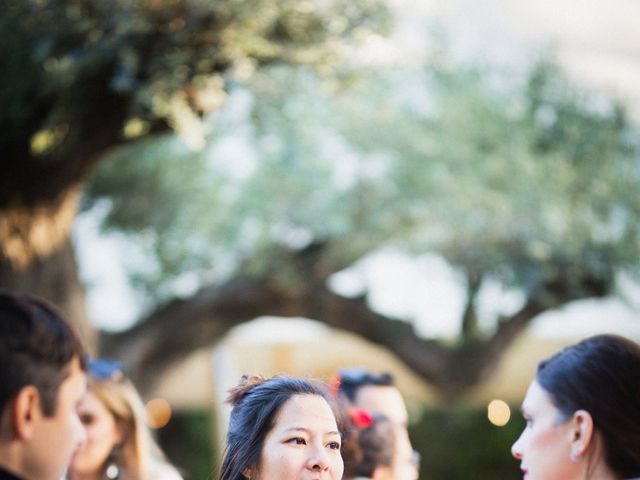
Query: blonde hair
point(138, 453)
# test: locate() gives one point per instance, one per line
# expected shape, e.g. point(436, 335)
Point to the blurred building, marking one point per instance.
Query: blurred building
point(306, 348)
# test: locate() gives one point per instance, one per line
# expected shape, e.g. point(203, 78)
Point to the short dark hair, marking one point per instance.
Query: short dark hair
point(353, 379)
point(602, 376)
point(256, 403)
point(36, 348)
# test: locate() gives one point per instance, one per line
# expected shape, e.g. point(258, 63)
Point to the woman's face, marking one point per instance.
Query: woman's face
point(304, 443)
point(102, 435)
point(544, 447)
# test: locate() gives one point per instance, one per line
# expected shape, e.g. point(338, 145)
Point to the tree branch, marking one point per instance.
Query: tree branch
point(181, 326)
point(469, 316)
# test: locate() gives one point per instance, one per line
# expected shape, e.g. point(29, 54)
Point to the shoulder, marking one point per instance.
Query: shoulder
point(5, 475)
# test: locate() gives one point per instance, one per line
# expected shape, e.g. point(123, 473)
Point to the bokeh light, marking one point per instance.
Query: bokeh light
point(498, 413)
point(158, 412)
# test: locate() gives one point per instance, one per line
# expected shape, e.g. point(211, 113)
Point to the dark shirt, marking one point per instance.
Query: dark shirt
point(4, 475)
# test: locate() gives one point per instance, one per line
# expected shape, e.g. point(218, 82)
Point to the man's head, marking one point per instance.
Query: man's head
point(42, 378)
point(385, 399)
point(375, 392)
point(378, 394)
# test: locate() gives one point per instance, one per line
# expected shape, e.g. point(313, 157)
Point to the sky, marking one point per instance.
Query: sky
point(597, 42)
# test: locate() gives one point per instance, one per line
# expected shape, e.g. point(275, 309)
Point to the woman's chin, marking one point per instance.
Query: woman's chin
point(78, 464)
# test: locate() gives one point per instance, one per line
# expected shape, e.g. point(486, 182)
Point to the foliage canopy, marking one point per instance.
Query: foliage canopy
point(310, 164)
point(528, 181)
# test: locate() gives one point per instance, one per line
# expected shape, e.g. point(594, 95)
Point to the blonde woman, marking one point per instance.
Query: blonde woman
point(119, 444)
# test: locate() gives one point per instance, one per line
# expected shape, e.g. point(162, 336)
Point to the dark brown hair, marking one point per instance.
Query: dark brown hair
point(351, 380)
point(602, 376)
point(36, 348)
point(366, 448)
point(256, 402)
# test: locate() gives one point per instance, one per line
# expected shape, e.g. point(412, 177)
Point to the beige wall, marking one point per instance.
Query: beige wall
point(319, 352)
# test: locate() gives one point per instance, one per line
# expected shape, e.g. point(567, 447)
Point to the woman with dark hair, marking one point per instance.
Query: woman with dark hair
point(281, 428)
point(583, 414)
point(369, 446)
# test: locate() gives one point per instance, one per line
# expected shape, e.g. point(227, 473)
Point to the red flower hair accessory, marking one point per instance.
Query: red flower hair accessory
point(360, 417)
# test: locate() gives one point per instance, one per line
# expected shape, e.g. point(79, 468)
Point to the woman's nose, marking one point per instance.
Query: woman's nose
point(516, 448)
point(318, 460)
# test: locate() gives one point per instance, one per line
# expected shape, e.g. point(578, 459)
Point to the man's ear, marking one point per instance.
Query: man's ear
point(26, 412)
point(581, 433)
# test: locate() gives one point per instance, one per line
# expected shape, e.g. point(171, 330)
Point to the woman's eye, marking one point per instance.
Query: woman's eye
point(298, 441)
point(334, 445)
point(86, 419)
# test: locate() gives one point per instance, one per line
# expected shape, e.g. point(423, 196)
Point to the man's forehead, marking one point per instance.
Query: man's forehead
point(385, 399)
point(372, 392)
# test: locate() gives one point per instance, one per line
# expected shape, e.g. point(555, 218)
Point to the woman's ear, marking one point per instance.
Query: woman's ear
point(248, 472)
point(581, 433)
point(122, 432)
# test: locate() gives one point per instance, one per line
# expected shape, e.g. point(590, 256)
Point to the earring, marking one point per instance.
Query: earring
point(112, 471)
point(573, 456)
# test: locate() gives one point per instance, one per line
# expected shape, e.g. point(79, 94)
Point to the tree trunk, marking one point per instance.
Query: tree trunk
point(37, 256)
